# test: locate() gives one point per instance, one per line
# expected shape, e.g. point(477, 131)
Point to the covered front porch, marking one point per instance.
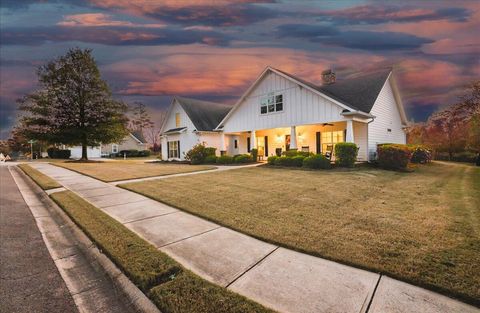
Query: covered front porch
point(316, 138)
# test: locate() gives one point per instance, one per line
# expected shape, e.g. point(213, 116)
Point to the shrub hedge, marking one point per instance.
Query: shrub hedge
point(393, 156)
point(198, 153)
point(297, 160)
point(271, 159)
point(242, 158)
point(420, 155)
point(317, 161)
point(225, 159)
point(254, 154)
point(133, 153)
point(55, 153)
point(466, 156)
point(346, 154)
point(210, 159)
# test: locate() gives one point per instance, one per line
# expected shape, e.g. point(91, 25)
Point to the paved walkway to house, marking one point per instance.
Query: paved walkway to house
point(217, 169)
point(279, 278)
point(42, 267)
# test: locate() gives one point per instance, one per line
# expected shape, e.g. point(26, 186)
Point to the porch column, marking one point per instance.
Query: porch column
point(349, 137)
point(164, 148)
point(222, 143)
point(253, 140)
point(293, 137)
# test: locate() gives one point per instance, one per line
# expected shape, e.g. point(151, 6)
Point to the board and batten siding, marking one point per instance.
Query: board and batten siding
point(300, 107)
point(387, 117)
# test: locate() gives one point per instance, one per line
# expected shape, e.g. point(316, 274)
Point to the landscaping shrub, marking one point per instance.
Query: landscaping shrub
point(225, 159)
point(271, 159)
point(242, 158)
point(346, 154)
point(466, 156)
point(198, 153)
point(316, 161)
point(254, 154)
point(421, 155)
point(284, 161)
point(393, 156)
point(297, 160)
point(210, 159)
point(290, 153)
point(144, 153)
point(55, 153)
point(210, 151)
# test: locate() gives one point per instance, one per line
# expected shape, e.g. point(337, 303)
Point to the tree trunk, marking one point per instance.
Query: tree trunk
point(84, 152)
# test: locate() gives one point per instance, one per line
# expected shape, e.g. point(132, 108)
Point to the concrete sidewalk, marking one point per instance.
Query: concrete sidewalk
point(279, 278)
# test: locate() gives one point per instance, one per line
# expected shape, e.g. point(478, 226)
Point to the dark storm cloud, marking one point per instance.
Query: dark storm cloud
point(23, 4)
point(368, 40)
point(377, 14)
point(305, 31)
point(214, 15)
point(115, 36)
point(364, 40)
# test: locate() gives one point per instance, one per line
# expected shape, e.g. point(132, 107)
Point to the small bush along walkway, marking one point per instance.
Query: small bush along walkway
point(170, 286)
point(421, 227)
point(42, 180)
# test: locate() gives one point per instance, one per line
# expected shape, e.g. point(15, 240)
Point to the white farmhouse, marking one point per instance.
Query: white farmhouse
point(280, 112)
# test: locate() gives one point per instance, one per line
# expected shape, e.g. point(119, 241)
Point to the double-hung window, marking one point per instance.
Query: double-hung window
point(173, 151)
point(271, 103)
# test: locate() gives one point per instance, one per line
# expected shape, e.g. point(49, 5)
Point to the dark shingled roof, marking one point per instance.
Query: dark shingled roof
point(139, 135)
point(174, 130)
point(359, 92)
point(204, 115)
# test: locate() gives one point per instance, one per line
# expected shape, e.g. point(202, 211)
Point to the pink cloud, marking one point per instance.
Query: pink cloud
point(99, 19)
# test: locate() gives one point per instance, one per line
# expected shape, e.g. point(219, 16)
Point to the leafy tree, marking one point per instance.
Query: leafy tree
point(74, 105)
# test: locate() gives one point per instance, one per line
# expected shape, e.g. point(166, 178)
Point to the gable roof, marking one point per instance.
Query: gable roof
point(359, 92)
point(138, 135)
point(204, 115)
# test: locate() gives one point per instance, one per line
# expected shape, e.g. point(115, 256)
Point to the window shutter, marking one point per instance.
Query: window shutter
point(266, 146)
point(168, 149)
point(178, 148)
point(318, 142)
point(248, 144)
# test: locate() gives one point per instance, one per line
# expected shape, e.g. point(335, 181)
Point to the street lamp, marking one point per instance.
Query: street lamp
point(31, 142)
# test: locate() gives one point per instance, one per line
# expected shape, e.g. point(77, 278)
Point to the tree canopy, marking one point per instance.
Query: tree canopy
point(74, 106)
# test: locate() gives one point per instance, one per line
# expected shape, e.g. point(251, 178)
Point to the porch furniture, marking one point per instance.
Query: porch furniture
point(278, 152)
point(329, 152)
point(305, 148)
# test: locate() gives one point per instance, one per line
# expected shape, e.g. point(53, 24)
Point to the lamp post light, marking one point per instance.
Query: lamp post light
point(31, 142)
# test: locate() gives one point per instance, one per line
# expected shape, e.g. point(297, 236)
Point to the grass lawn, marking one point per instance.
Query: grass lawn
point(170, 286)
point(109, 171)
point(42, 180)
point(421, 227)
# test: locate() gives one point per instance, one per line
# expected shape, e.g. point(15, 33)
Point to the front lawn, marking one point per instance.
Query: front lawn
point(170, 286)
point(421, 227)
point(109, 171)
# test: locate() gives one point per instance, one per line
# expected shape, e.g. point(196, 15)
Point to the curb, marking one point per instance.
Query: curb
point(134, 297)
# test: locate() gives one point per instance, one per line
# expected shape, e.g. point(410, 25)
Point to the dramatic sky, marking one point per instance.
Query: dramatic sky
point(150, 50)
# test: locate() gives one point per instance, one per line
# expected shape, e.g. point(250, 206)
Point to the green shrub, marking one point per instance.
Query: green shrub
point(420, 155)
point(129, 153)
point(290, 153)
point(393, 156)
point(271, 159)
point(210, 159)
point(225, 159)
point(346, 154)
point(254, 154)
point(55, 153)
point(284, 161)
point(198, 153)
point(298, 160)
point(242, 158)
point(210, 151)
point(144, 153)
point(316, 161)
point(465, 156)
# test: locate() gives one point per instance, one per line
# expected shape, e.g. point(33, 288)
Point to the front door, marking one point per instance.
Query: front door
point(287, 142)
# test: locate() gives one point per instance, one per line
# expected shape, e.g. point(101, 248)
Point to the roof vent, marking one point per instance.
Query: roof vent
point(328, 77)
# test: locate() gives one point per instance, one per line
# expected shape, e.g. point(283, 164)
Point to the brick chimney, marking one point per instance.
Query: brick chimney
point(328, 77)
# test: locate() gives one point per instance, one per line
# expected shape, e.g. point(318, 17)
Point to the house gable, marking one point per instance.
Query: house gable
point(171, 119)
point(301, 105)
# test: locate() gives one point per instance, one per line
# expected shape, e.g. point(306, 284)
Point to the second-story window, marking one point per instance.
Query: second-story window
point(271, 103)
point(177, 120)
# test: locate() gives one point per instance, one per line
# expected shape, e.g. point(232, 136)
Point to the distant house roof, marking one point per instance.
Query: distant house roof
point(174, 130)
point(359, 92)
point(204, 115)
point(138, 135)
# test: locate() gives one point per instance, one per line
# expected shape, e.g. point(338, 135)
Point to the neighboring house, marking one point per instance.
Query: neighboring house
point(281, 112)
point(190, 122)
point(133, 141)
